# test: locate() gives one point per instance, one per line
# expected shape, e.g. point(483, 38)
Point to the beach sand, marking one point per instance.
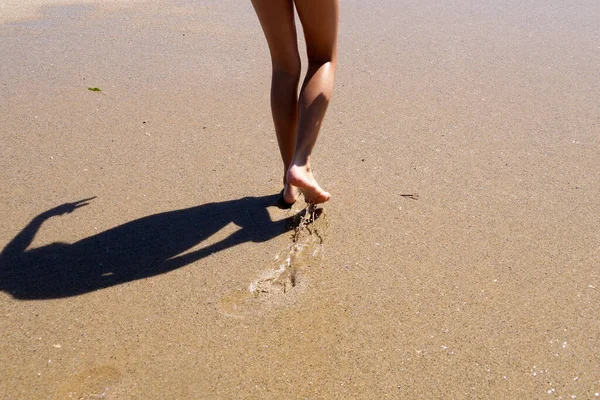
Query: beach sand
point(458, 257)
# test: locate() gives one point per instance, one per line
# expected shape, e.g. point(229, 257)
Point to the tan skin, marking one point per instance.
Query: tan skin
point(298, 119)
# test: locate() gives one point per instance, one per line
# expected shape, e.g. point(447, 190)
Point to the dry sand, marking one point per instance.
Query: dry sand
point(485, 284)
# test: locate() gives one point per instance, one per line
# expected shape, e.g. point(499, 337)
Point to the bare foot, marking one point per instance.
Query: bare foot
point(290, 193)
point(302, 178)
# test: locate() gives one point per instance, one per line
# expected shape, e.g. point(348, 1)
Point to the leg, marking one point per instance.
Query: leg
point(320, 19)
point(277, 21)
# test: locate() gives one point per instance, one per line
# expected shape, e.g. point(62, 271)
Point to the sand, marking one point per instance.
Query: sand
point(458, 257)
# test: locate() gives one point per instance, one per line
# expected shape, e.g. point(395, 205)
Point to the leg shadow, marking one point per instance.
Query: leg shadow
point(138, 249)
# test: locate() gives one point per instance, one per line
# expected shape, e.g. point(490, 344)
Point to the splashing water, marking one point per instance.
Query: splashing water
point(304, 251)
point(280, 285)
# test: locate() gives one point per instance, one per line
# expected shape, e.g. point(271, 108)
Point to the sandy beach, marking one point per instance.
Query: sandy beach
point(458, 257)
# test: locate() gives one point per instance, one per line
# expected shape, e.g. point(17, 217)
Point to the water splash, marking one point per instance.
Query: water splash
point(289, 277)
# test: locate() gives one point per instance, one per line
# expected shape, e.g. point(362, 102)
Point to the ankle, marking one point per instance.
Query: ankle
point(301, 161)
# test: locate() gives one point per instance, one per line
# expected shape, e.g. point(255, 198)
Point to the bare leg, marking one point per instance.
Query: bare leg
point(320, 20)
point(277, 20)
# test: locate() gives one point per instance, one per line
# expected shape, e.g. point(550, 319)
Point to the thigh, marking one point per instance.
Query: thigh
point(320, 22)
point(277, 21)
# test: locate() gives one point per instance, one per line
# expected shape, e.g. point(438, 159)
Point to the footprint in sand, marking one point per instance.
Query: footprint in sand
point(282, 285)
point(93, 383)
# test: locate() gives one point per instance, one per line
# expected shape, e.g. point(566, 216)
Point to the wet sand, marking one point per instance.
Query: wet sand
point(458, 257)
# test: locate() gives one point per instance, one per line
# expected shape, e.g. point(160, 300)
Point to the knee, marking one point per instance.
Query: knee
point(318, 62)
point(289, 69)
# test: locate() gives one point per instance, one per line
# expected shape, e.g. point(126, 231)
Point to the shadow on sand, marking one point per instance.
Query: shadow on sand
point(138, 249)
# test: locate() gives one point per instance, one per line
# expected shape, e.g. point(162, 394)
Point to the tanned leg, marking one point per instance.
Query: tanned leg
point(320, 20)
point(277, 21)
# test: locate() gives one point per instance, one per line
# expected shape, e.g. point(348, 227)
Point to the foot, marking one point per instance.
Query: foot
point(288, 196)
point(290, 193)
point(302, 178)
